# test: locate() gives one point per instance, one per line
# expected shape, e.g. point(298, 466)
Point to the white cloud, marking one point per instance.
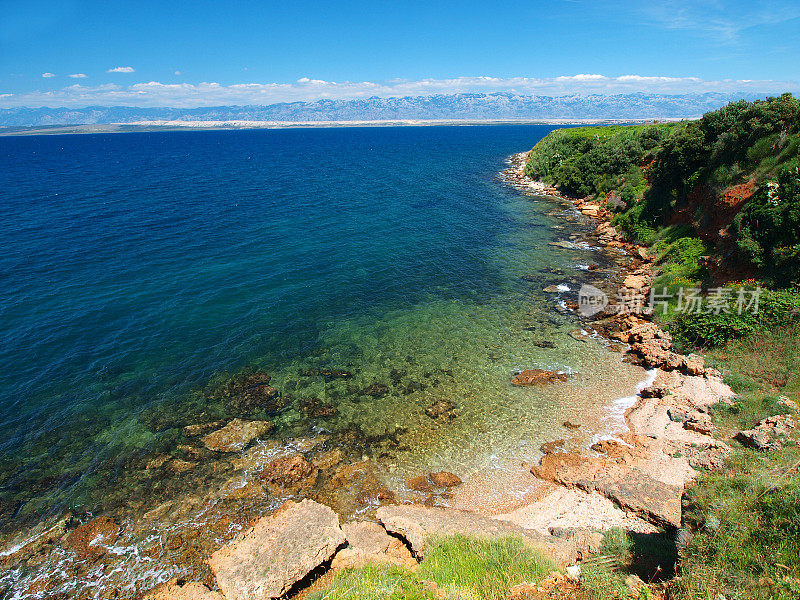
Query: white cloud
point(121, 70)
point(582, 77)
point(177, 72)
point(78, 76)
point(188, 95)
point(48, 75)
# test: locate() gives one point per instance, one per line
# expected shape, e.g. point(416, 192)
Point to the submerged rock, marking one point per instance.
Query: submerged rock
point(376, 390)
point(91, 540)
point(441, 409)
point(538, 377)
point(444, 479)
point(236, 435)
point(419, 483)
point(315, 408)
point(267, 559)
point(201, 428)
point(326, 373)
point(247, 394)
point(287, 474)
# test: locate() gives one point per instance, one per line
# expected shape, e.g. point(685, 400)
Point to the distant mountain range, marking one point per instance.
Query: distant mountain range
point(456, 106)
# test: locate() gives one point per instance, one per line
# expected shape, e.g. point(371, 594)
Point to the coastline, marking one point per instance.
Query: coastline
point(643, 470)
point(550, 505)
point(177, 125)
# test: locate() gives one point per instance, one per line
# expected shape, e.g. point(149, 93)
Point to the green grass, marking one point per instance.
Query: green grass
point(376, 582)
point(471, 568)
point(460, 566)
point(745, 519)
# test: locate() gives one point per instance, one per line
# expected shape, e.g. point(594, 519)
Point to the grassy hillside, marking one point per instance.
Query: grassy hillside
point(732, 178)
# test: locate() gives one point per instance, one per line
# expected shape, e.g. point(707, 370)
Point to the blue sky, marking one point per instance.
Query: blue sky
point(178, 53)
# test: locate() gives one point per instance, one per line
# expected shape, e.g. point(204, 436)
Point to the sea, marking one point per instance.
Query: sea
point(142, 272)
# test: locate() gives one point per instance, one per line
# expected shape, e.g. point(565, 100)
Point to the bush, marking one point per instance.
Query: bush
point(768, 228)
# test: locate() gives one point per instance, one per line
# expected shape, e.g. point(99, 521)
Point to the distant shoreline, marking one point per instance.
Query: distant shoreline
point(178, 125)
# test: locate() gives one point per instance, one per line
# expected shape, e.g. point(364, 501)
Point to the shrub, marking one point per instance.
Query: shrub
point(768, 228)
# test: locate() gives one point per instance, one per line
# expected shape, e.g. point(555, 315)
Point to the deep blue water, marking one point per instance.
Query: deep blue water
point(136, 266)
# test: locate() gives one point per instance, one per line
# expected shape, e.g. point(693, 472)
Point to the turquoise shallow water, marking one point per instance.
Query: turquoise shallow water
point(136, 268)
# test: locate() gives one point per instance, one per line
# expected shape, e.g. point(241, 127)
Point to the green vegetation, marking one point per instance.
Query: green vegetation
point(664, 171)
point(720, 202)
point(768, 229)
point(744, 519)
point(459, 566)
point(590, 161)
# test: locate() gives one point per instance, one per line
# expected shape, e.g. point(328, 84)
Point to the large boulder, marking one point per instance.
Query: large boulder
point(267, 559)
point(619, 478)
point(420, 524)
point(236, 435)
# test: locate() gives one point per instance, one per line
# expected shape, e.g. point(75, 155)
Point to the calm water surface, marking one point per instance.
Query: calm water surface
point(136, 268)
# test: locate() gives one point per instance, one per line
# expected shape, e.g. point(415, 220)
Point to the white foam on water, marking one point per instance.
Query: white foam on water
point(614, 418)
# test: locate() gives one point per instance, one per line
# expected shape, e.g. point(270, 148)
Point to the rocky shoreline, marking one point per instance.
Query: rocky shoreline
point(634, 480)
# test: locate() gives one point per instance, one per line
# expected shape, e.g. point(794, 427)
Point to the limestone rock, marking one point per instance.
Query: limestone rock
point(370, 543)
point(419, 524)
point(538, 377)
point(694, 365)
point(617, 479)
point(174, 589)
point(265, 560)
point(769, 433)
point(788, 403)
point(635, 282)
point(236, 435)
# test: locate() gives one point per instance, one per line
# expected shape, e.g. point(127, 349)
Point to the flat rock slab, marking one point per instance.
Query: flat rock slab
point(266, 560)
point(236, 435)
point(419, 524)
point(629, 487)
point(370, 543)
